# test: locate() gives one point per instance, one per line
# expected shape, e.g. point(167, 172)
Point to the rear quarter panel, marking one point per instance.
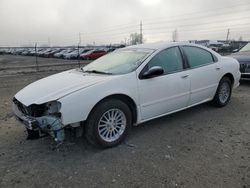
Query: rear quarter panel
point(231, 65)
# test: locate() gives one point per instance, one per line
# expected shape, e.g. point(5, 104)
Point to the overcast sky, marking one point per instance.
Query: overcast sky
point(59, 22)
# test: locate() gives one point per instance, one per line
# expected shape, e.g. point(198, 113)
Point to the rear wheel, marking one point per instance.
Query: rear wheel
point(223, 93)
point(109, 123)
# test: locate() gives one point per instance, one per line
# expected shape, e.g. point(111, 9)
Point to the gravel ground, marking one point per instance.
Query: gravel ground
point(200, 147)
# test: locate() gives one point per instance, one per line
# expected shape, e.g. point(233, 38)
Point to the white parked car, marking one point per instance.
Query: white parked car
point(63, 53)
point(124, 88)
point(76, 53)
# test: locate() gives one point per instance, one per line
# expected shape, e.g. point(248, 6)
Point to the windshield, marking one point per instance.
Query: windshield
point(118, 62)
point(245, 48)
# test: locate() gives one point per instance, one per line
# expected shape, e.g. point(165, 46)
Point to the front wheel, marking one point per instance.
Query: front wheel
point(223, 93)
point(109, 123)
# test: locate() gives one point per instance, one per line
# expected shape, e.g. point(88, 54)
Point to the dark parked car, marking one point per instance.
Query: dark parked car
point(243, 56)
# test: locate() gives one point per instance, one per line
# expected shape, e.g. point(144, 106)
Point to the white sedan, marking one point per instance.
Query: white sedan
point(124, 88)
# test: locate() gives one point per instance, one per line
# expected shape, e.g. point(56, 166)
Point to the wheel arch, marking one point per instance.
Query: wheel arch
point(230, 76)
point(124, 98)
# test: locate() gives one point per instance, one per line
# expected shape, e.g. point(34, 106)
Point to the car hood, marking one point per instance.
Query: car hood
point(241, 56)
point(57, 86)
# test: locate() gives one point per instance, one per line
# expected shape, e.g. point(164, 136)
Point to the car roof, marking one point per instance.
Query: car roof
point(160, 45)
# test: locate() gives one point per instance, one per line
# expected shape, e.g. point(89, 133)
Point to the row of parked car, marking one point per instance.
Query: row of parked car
point(88, 53)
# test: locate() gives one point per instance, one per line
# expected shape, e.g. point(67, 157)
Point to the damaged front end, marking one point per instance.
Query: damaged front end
point(41, 119)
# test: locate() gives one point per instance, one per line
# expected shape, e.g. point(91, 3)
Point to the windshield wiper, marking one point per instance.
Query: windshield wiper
point(97, 72)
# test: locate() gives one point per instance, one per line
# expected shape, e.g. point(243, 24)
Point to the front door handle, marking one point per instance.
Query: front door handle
point(184, 76)
point(217, 68)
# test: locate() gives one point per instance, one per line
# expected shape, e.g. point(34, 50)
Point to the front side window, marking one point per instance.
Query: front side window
point(170, 60)
point(197, 56)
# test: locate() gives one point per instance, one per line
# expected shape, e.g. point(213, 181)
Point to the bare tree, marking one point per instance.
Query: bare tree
point(135, 38)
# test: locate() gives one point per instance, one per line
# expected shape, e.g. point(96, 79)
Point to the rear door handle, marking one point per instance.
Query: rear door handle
point(217, 68)
point(184, 76)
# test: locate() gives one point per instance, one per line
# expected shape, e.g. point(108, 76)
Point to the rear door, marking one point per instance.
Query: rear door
point(204, 73)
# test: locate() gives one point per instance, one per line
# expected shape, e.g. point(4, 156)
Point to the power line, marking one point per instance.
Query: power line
point(198, 12)
point(200, 18)
point(120, 31)
point(159, 28)
point(128, 27)
point(111, 30)
point(232, 26)
point(203, 23)
point(196, 32)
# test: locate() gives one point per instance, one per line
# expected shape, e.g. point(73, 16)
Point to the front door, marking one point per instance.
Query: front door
point(168, 92)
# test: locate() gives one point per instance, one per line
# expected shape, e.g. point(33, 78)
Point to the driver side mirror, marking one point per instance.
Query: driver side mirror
point(153, 72)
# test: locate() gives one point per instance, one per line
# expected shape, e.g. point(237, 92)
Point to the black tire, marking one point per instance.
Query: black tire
point(217, 101)
point(32, 135)
point(91, 130)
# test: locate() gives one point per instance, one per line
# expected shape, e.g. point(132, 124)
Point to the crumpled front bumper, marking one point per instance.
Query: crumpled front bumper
point(29, 122)
point(48, 124)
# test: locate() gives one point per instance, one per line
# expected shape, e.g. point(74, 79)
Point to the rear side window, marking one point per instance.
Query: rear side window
point(197, 56)
point(170, 60)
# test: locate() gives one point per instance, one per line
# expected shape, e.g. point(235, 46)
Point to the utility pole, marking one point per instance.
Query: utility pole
point(80, 39)
point(175, 35)
point(37, 67)
point(78, 56)
point(79, 44)
point(49, 41)
point(141, 32)
point(228, 32)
